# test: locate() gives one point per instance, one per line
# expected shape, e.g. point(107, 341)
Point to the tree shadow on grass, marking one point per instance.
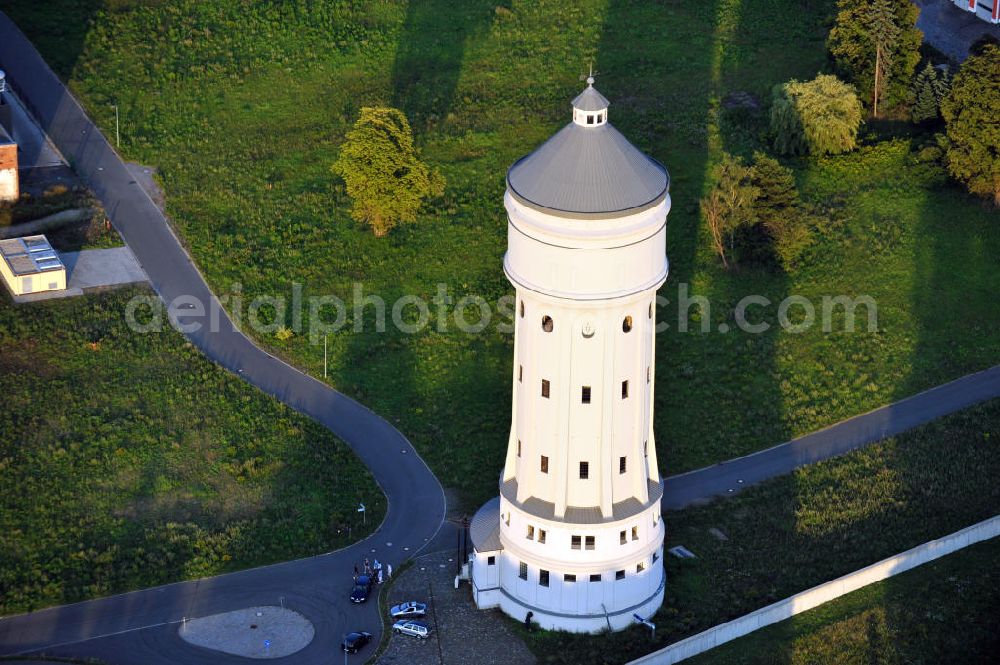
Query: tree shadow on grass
point(58, 28)
point(424, 385)
point(430, 54)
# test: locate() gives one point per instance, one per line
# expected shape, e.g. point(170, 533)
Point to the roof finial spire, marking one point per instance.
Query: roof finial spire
point(590, 76)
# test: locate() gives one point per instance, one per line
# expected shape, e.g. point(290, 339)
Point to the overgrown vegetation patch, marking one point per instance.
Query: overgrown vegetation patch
point(129, 460)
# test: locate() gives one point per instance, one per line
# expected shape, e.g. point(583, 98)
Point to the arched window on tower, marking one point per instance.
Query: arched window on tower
point(627, 324)
point(547, 323)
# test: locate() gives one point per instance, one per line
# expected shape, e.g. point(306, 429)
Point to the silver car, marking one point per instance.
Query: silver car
point(415, 628)
point(408, 610)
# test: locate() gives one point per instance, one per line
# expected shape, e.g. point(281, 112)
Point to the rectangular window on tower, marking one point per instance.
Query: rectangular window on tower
point(624, 389)
point(619, 574)
point(531, 532)
point(541, 536)
point(520, 373)
point(622, 539)
point(545, 464)
point(635, 533)
point(585, 395)
point(543, 577)
point(545, 388)
point(519, 447)
point(595, 577)
point(569, 578)
point(574, 542)
point(491, 561)
point(648, 374)
point(584, 470)
point(621, 464)
point(590, 542)
point(523, 571)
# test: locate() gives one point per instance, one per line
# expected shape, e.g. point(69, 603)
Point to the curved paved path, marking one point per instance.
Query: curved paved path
point(141, 627)
point(317, 587)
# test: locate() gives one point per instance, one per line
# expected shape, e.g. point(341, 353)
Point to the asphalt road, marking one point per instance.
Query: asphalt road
point(141, 627)
point(317, 587)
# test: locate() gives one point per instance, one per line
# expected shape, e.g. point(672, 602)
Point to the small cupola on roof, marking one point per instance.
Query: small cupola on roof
point(590, 108)
point(588, 170)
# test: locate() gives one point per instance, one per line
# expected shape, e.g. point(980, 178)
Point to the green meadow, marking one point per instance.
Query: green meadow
point(241, 107)
point(130, 460)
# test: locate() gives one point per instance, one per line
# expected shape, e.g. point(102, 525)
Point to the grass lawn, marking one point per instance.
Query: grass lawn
point(241, 107)
point(129, 460)
point(938, 613)
point(819, 523)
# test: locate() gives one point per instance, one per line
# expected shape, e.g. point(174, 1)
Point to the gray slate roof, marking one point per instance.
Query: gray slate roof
point(485, 527)
point(590, 100)
point(588, 172)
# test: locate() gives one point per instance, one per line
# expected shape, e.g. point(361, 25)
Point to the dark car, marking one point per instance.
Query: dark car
point(354, 641)
point(362, 587)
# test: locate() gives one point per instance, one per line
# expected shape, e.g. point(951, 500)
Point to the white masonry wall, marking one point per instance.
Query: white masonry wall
point(816, 596)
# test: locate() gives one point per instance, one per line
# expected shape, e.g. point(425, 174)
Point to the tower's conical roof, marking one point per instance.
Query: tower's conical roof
point(588, 170)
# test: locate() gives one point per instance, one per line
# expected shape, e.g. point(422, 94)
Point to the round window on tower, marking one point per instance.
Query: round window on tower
point(627, 324)
point(547, 323)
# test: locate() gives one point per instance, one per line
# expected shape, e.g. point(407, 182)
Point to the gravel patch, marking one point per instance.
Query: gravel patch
point(254, 632)
point(461, 633)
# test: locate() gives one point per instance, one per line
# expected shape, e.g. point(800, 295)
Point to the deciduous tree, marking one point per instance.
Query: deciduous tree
point(381, 167)
point(821, 116)
point(971, 113)
point(778, 209)
point(729, 205)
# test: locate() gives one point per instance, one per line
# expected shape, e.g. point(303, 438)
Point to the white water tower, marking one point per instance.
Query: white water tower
point(575, 536)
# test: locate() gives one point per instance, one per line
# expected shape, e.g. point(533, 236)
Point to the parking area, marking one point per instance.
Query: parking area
point(461, 633)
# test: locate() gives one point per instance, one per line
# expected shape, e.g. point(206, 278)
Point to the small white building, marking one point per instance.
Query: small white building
point(30, 265)
point(988, 12)
point(576, 536)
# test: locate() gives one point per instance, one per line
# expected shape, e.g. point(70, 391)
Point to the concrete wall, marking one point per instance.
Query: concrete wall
point(9, 190)
point(823, 593)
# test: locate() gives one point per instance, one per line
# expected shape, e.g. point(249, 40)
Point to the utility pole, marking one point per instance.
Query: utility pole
point(118, 137)
point(324, 354)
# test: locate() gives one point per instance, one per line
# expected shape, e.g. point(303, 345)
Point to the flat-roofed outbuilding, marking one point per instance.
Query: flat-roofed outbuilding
point(30, 265)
